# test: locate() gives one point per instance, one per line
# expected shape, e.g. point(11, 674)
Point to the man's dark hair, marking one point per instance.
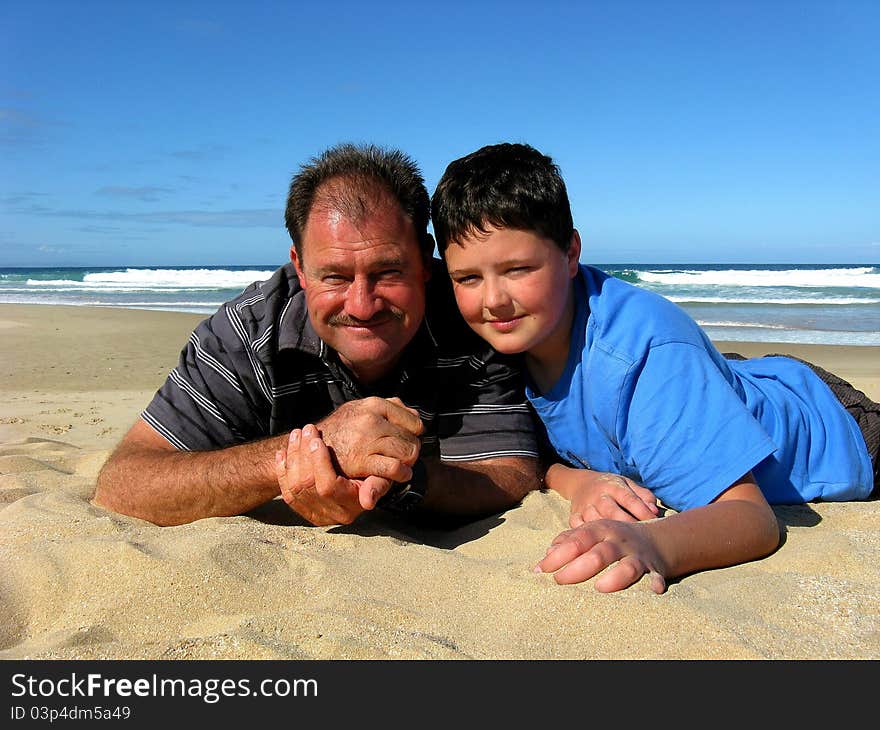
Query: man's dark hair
point(504, 186)
point(354, 179)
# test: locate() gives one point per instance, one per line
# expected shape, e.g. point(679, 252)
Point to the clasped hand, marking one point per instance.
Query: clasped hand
point(332, 472)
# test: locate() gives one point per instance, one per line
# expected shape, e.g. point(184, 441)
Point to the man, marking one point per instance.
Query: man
point(359, 336)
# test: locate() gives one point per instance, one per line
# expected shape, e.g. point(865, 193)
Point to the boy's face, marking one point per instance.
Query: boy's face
point(513, 289)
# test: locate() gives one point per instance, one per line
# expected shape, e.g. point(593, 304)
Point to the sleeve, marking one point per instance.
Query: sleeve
point(684, 429)
point(485, 415)
point(218, 395)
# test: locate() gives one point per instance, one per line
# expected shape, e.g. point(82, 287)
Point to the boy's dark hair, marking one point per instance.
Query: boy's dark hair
point(354, 179)
point(505, 186)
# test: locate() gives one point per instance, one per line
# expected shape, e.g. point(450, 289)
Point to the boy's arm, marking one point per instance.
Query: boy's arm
point(736, 527)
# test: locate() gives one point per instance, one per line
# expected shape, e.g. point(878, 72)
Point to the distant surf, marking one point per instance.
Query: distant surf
point(198, 289)
point(825, 304)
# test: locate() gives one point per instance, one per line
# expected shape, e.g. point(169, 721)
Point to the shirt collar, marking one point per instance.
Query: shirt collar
point(295, 331)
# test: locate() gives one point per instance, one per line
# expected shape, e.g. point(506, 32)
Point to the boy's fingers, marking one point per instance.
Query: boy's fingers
point(580, 567)
point(561, 537)
point(636, 499)
point(558, 555)
point(637, 508)
point(588, 563)
point(643, 494)
point(648, 497)
point(657, 582)
point(568, 546)
point(624, 573)
point(612, 507)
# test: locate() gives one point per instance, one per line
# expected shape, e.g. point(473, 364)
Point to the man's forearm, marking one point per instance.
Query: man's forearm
point(176, 487)
point(478, 488)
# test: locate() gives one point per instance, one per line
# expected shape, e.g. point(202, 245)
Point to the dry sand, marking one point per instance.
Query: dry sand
point(77, 582)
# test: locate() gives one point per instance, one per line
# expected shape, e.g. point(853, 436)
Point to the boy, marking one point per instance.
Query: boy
point(632, 392)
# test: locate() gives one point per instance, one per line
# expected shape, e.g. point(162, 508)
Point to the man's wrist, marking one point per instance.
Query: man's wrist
point(406, 496)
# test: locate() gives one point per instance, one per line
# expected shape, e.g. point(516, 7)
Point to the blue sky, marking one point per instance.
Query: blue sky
point(165, 133)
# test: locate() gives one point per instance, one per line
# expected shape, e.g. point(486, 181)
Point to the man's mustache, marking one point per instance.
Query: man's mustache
point(341, 320)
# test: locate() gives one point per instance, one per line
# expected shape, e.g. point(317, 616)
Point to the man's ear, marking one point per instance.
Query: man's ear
point(574, 253)
point(297, 264)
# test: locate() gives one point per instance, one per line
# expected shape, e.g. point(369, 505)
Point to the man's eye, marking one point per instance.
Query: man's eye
point(390, 273)
point(333, 279)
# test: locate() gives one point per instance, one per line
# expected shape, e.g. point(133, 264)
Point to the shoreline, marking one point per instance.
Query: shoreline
point(77, 582)
point(151, 340)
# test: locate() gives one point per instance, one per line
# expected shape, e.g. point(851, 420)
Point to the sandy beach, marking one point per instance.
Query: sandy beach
point(77, 582)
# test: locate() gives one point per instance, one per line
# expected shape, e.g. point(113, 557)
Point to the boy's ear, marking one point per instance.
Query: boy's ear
point(574, 253)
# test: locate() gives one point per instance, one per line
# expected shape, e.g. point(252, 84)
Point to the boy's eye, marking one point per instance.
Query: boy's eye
point(519, 269)
point(469, 279)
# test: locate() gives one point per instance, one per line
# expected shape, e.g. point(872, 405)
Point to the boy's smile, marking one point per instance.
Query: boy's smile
point(514, 289)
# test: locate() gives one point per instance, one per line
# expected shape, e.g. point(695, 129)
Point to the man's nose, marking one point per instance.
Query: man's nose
point(361, 300)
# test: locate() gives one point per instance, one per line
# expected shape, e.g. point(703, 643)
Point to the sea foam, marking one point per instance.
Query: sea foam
point(866, 276)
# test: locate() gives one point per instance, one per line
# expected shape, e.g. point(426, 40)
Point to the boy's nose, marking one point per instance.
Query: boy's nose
point(495, 296)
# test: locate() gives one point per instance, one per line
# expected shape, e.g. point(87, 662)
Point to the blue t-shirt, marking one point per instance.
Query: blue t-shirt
point(646, 394)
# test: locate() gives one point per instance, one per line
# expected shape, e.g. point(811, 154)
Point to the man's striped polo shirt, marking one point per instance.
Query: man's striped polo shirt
point(256, 368)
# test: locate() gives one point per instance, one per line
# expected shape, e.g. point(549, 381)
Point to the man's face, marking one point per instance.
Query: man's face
point(364, 285)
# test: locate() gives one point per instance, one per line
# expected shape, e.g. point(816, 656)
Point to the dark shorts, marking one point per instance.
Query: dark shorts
point(863, 409)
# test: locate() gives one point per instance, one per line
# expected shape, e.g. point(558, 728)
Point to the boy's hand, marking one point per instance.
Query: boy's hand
point(579, 554)
point(597, 495)
point(312, 488)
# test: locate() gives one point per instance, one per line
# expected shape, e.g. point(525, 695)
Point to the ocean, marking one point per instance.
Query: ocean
point(824, 304)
